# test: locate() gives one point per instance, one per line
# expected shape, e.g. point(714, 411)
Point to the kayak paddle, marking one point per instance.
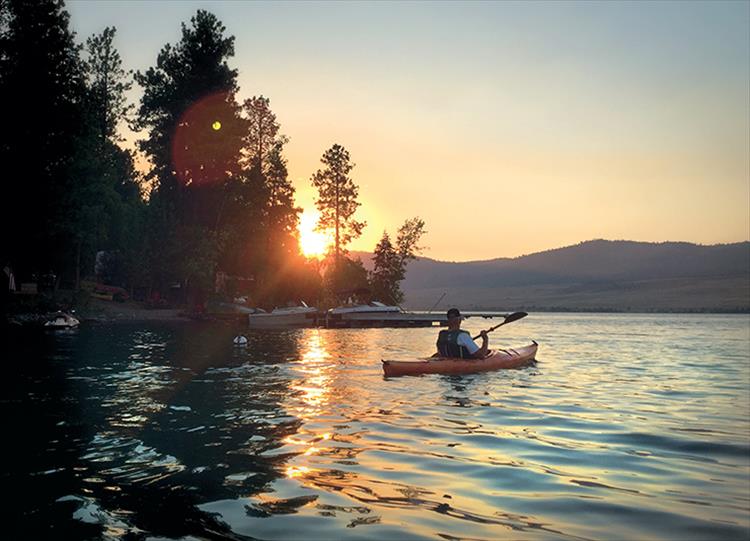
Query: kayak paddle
point(515, 316)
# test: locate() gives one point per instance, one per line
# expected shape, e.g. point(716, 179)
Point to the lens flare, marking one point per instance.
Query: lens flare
point(198, 160)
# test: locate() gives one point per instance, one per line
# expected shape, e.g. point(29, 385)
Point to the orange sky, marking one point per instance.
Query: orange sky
point(508, 127)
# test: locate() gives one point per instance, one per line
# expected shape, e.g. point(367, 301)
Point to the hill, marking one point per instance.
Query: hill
point(593, 275)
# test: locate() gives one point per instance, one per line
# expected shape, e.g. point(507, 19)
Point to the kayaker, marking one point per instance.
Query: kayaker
point(456, 342)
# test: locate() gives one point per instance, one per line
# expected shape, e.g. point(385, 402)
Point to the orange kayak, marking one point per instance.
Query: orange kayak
point(499, 358)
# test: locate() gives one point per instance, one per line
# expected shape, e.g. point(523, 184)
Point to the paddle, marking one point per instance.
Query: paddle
point(515, 316)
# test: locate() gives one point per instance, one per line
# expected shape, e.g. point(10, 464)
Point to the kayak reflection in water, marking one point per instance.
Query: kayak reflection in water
point(456, 342)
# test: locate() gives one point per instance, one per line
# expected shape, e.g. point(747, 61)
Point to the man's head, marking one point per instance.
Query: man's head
point(454, 318)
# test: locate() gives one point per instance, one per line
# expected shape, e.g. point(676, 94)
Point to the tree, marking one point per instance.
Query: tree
point(389, 261)
point(283, 216)
point(337, 199)
point(41, 83)
point(195, 138)
point(266, 169)
point(262, 132)
point(105, 180)
point(107, 84)
point(347, 279)
point(385, 274)
point(283, 263)
point(409, 235)
point(185, 74)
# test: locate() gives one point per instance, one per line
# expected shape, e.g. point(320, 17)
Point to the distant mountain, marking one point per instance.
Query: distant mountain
point(593, 275)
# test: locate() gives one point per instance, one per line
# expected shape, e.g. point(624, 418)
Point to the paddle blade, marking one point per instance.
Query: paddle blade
point(515, 316)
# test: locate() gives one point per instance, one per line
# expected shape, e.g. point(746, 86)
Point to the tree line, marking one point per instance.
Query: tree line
point(215, 196)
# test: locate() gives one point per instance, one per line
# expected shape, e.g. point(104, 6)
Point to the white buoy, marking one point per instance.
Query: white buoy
point(240, 340)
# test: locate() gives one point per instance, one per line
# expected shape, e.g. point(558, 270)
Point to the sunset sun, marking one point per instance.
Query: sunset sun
point(313, 243)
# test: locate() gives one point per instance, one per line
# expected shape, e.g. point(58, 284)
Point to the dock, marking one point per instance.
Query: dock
point(394, 319)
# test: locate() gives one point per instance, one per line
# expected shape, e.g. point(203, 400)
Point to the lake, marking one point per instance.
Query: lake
point(628, 427)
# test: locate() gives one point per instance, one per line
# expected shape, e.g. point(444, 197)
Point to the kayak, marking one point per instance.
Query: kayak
point(497, 359)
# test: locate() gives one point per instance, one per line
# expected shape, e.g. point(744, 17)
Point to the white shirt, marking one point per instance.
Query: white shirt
point(466, 341)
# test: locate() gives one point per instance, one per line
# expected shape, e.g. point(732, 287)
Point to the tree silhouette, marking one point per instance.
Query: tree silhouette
point(194, 142)
point(41, 84)
point(283, 216)
point(337, 199)
point(107, 84)
point(101, 206)
point(262, 131)
point(266, 169)
point(389, 261)
point(385, 275)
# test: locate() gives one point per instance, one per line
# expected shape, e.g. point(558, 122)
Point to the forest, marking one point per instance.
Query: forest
point(212, 214)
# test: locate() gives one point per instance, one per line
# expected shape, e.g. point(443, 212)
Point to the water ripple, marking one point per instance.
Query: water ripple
point(628, 427)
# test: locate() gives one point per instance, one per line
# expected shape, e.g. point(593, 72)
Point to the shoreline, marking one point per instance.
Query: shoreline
point(129, 311)
point(101, 311)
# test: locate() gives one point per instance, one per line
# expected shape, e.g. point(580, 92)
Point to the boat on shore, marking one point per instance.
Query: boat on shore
point(497, 359)
point(288, 316)
point(61, 320)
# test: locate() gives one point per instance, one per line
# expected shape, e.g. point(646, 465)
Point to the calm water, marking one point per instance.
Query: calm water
point(628, 427)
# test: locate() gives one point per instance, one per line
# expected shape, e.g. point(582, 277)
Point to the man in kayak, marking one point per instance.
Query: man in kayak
point(455, 342)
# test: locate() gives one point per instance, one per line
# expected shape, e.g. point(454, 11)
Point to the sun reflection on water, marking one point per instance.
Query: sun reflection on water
point(315, 388)
point(296, 471)
point(311, 394)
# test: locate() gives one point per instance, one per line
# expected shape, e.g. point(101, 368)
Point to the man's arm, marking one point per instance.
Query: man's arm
point(475, 351)
point(482, 352)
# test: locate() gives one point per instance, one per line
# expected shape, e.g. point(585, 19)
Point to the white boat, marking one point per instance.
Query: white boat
point(61, 320)
point(374, 307)
point(289, 316)
point(377, 314)
point(236, 308)
point(373, 314)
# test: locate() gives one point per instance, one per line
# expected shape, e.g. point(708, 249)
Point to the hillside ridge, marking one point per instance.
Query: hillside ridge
point(611, 275)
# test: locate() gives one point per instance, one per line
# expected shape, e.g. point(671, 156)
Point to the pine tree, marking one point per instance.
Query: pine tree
point(385, 275)
point(337, 200)
point(107, 83)
point(282, 259)
point(185, 74)
point(267, 170)
point(195, 137)
point(101, 205)
point(41, 84)
point(389, 261)
point(262, 131)
point(283, 216)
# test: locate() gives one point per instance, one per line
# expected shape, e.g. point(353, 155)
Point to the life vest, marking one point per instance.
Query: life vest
point(447, 345)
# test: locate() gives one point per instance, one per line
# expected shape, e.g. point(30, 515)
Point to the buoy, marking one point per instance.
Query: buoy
point(240, 340)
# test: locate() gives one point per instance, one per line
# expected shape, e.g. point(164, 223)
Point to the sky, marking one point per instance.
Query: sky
point(510, 128)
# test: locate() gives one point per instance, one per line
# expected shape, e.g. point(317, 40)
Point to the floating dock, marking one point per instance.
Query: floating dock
point(393, 319)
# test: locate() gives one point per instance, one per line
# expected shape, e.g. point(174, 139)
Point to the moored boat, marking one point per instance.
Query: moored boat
point(498, 359)
point(62, 320)
point(289, 316)
point(371, 314)
point(373, 307)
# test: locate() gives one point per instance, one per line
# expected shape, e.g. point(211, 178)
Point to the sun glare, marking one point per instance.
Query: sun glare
point(313, 243)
